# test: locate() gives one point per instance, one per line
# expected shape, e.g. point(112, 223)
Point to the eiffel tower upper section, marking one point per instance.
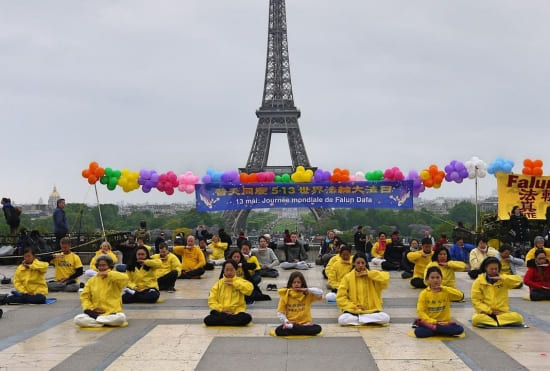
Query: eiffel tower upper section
point(278, 114)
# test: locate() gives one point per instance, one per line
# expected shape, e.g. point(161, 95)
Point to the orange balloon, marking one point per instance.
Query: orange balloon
point(243, 177)
point(99, 172)
point(428, 183)
point(527, 171)
point(537, 163)
point(345, 172)
point(437, 179)
point(93, 165)
point(253, 178)
point(433, 169)
point(527, 162)
point(86, 173)
point(437, 185)
point(537, 171)
point(92, 179)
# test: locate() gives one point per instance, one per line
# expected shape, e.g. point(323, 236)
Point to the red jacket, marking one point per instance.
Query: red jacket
point(537, 277)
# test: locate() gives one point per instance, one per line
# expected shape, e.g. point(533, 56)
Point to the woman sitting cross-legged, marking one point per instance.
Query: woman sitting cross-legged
point(360, 294)
point(294, 309)
point(538, 277)
point(143, 286)
point(441, 259)
point(243, 271)
point(100, 299)
point(226, 299)
point(434, 307)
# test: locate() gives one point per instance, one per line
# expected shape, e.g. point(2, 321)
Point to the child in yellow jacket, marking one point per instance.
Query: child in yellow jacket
point(29, 281)
point(434, 307)
point(294, 309)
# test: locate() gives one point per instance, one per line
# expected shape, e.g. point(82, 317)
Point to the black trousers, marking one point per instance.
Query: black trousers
point(191, 274)
point(146, 296)
point(216, 318)
point(310, 330)
point(536, 295)
point(167, 281)
point(418, 283)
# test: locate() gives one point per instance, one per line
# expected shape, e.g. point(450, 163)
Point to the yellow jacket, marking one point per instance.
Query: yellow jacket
point(436, 307)
point(365, 292)
point(487, 297)
point(191, 258)
point(142, 279)
point(31, 280)
point(531, 253)
point(218, 250)
point(253, 260)
point(169, 264)
point(378, 253)
point(420, 262)
point(448, 271)
point(99, 252)
point(104, 292)
point(296, 305)
point(336, 269)
point(229, 297)
point(66, 266)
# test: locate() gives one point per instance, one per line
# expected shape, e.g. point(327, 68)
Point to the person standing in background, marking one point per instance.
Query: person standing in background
point(360, 239)
point(60, 223)
point(11, 214)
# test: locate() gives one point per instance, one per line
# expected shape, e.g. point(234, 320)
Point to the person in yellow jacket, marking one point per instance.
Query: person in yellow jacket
point(434, 307)
point(490, 296)
point(441, 259)
point(421, 259)
point(539, 244)
point(379, 248)
point(170, 268)
point(192, 259)
point(252, 261)
point(218, 250)
point(142, 286)
point(360, 294)
point(294, 309)
point(336, 269)
point(68, 267)
point(104, 249)
point(226, 299)
point(29, 281)
point(100, 299)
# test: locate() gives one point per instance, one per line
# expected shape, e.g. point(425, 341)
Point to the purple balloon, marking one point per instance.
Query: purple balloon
point(206, 179)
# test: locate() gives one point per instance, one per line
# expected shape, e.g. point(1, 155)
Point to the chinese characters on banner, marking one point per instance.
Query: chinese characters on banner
point(351, 195)
point(530, 193)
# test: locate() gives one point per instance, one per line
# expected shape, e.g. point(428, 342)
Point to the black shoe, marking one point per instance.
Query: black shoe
point(406, 275)
point(1, 312)
point(82, 285)
point(3, 298)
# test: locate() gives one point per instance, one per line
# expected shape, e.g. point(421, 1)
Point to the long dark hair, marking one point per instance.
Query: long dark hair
point(246, 266)
point(133, 262)
point(293, 275)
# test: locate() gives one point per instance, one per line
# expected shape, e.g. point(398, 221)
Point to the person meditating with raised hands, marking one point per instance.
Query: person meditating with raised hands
point(226, 299)
point(101, 299)
point(294, 309)
point(360, 294)
point(434, 307)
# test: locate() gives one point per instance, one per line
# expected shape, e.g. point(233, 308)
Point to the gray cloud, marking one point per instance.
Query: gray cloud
point(174, 85)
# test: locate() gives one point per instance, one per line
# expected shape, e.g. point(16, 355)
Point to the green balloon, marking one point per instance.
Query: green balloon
point(104, 179)
point(278, 179)
point(286, 178)
point(111, 187)
point(117, 173)
point(108, 171)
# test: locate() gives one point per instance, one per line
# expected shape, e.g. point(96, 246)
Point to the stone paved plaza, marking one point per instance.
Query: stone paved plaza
point(170, 336)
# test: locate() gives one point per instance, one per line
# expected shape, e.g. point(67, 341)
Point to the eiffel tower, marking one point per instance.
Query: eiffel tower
point(278, 114)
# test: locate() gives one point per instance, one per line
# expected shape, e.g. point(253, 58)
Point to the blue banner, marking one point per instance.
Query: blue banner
point(350, 195)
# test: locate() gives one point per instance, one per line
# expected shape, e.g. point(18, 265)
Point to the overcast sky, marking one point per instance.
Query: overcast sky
point(174, 85)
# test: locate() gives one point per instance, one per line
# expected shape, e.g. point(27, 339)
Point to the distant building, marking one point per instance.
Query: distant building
point(52, 200)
